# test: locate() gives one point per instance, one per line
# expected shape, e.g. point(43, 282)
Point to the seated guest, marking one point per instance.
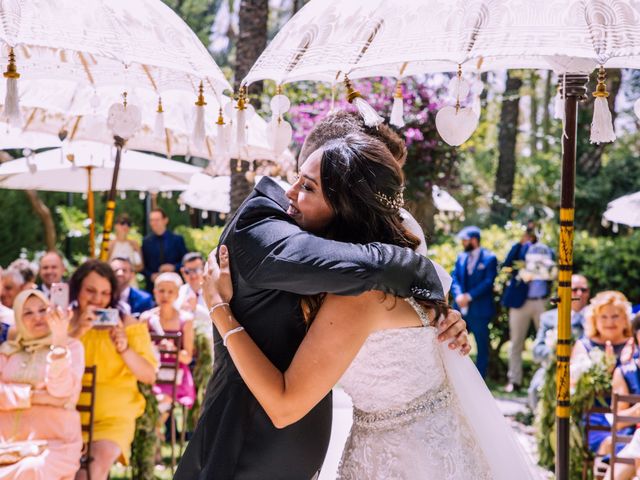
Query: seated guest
point(608, 328)
point(124, 247)
point(12, 285)
point(547, 333)
point(138, 300)
point(162, 250)
point(626, 380)
point(123, 355)
point(192, 271)
point(163, 319)
point(51, 270)
point(40, 382)
point(6, 317)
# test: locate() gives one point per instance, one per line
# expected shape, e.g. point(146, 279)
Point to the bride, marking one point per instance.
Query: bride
point(420, 410)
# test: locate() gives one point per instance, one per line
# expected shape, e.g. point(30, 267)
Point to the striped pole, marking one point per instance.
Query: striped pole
point(574, 89)
point(111, 202)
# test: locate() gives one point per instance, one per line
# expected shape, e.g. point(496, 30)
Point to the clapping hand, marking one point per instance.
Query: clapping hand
point(217, 286)
point(58, 321)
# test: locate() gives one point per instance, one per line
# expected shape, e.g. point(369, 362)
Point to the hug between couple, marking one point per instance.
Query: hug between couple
point(327, 284)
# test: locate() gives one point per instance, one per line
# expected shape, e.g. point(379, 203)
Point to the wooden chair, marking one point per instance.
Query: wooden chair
point(171, 365)
point(88, 388)
point(616, 437)
point(591, 459)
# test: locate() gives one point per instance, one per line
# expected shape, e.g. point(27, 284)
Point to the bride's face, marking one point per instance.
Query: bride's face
point(307, 204)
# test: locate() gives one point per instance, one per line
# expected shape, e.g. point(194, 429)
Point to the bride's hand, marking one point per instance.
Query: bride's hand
point(217, 286)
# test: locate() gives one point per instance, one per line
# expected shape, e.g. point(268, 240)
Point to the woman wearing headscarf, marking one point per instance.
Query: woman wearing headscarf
point(40, 381)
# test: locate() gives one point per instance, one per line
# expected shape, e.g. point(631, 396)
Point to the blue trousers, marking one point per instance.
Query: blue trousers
point(479, 326)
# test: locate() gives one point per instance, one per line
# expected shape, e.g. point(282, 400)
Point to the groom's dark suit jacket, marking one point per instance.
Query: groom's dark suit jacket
point(273, 263)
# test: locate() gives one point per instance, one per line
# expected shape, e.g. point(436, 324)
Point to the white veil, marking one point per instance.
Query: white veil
point(498, 442)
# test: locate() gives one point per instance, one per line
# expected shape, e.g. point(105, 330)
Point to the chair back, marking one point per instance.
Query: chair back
point(616, 437)
point(89, 391)
point(591, 458)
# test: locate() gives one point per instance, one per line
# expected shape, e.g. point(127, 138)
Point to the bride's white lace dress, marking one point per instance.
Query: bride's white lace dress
point(407, 420)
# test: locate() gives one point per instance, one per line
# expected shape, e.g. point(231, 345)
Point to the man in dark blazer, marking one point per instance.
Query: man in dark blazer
point(162, 250)
point(138, 300)
point(472, 289)
point(274, 262)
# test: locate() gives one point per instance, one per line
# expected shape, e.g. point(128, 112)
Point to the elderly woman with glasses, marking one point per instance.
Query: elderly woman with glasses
point(40, 381)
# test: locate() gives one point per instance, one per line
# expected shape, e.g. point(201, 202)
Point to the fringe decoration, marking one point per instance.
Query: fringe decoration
point(221, 141)
point(12, 98)
point(397, 111)
point(366, 111)
point(558, 105)
point(602, 125)
point(199, 131)
point(158, 129)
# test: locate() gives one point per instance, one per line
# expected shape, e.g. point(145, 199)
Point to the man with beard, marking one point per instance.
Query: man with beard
point(472, 288)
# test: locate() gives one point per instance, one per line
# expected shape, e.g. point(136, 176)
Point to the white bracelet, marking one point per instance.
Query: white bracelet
point(229, 333)
point(221, 304)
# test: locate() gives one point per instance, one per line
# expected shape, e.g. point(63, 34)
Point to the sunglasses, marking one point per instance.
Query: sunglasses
point(580, 289)
point(193, 271)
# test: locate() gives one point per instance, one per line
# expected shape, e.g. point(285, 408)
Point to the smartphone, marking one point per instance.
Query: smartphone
point(60, 295)
point(106, 317)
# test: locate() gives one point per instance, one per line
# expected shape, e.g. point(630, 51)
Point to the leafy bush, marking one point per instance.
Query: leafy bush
point(201, 240)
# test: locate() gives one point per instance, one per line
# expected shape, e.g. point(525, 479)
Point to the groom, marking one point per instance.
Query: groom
point(275, 263)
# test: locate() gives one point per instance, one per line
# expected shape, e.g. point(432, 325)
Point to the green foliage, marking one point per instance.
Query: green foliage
point(610, 263)
point(590, 388)
point(201, 240)
point(198, 14)
point(145, 441)
point(201, 374)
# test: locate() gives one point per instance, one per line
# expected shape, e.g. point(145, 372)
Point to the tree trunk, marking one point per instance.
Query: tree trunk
point(546, 113)
point(45, 216)
point(508, 131)
point(252, 40)
point(424, 211)
point(240, 186)
point(533, 112)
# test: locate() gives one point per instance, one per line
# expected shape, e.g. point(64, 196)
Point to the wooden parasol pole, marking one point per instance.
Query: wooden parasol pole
point(91, 214)
point(111, 201)
point(574, 88)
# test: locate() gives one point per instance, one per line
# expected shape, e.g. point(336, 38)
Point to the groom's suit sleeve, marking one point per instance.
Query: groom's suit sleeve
point(271, 252)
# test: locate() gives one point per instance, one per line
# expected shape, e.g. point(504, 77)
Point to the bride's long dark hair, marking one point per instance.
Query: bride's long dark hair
point(363, 184)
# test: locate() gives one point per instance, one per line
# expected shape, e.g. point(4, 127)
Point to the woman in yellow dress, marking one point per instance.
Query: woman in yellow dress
point(123, 355)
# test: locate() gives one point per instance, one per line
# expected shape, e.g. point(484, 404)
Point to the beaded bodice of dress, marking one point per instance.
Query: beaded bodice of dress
point(381, 378)
point(407, 422)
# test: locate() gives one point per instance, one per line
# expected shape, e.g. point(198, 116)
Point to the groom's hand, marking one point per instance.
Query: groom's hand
point(454, 330)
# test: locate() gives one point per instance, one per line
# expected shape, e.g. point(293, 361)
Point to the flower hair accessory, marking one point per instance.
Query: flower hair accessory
point(394, 202)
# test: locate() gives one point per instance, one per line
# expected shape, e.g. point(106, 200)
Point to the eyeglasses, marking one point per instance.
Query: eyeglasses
point(128, 224)
point(580, 289)
point(193, 271)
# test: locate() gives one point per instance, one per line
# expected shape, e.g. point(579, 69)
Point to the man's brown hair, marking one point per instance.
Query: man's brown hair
point(342, 123)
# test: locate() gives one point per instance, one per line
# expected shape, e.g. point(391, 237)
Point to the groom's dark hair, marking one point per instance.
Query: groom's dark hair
point(342, 123)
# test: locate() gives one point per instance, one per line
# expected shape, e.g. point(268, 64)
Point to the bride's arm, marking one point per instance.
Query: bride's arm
point(332, 342)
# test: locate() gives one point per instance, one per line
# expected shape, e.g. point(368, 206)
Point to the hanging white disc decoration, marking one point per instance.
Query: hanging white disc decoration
point(477, 87)
point(636, 108)
point(456, 127)
point(476, 105)
point(458, 88)
point(124, 121)
point(280, 104)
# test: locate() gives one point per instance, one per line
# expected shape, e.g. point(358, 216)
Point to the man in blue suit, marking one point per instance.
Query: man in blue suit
point(162, 250)
point(472, 288)
point(138, 300)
